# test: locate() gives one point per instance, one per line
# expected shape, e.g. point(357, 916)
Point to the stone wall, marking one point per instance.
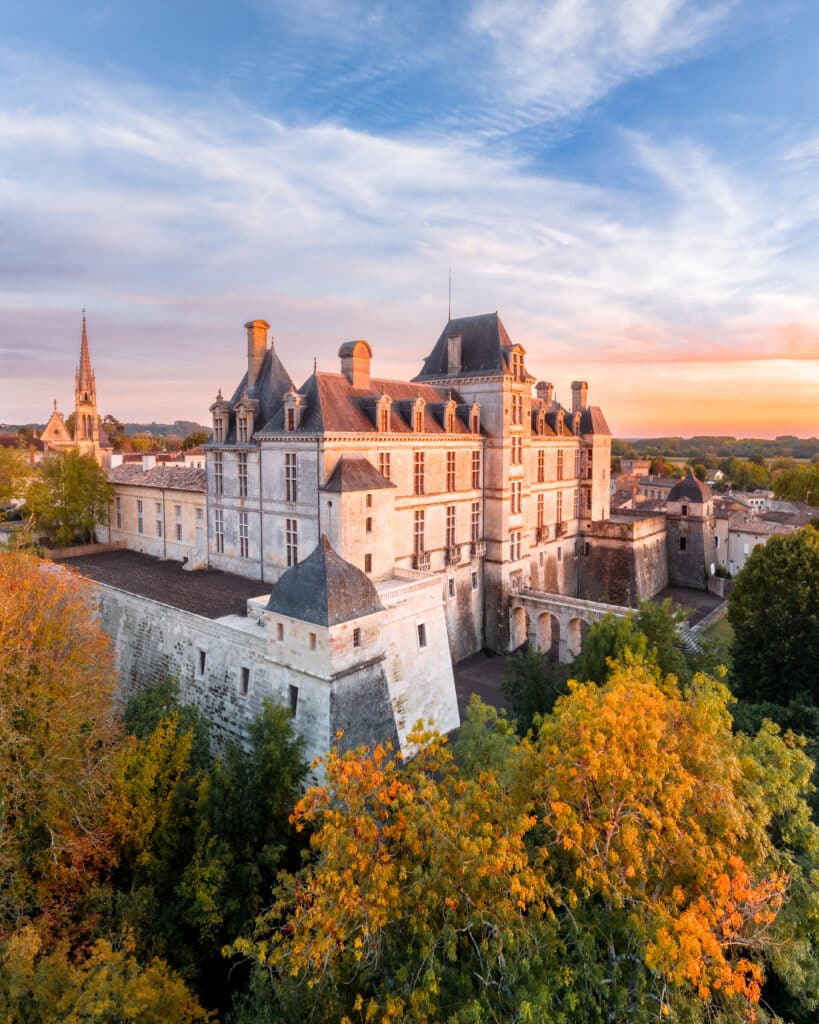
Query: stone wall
point(623, 561)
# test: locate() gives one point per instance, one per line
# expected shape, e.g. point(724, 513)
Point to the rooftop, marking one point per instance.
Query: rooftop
point(170, 478)
point(207, 592)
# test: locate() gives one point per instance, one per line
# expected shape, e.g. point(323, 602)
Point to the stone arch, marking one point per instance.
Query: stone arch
point(548, 633)
point(518, 628)
point(575, 633)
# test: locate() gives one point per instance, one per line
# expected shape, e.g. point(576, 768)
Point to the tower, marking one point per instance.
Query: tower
point(86, 422)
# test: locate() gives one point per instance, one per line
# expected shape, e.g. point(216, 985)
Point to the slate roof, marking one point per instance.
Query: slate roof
point(333, 405)
point(171, 478)
point(324, 589)
point(355, 473)
point(592, 421)
point(690, 489)
point(272, 383)
point(483, 339)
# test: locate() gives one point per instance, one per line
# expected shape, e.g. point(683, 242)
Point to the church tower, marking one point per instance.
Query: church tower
point(86, 423)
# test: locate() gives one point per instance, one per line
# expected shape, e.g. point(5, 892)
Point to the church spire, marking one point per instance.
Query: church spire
point(85, 372)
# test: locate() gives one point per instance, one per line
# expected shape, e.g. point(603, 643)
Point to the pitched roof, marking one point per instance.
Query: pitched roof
point(592, 421)
point(272, 383)
point(355, 473)
point(324, 589)
point(483, 339)
point(690, 489)
point(171, 478)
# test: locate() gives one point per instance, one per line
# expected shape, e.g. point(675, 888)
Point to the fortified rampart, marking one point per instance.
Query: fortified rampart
point(624, 559)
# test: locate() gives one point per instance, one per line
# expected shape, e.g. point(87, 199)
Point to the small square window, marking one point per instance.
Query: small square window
point(368, 563)
point(474, 581)
point(685, 510)
point(244, 681)
point(356, 637)
point(369, 525)
point(280, 631)
point(422, 634)
point(312, 641)
point(368, 501)
point(682, 543)
point(451, 586)
point(294, 699)
point(202, 660)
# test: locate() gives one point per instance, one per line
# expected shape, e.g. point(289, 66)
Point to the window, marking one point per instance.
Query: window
point(683, 542)
point(476, 470)
point(418, 417)
point(418, 472)
point(475, 532)
point(201, 661)
point(291, 491)
point(514, 545)
point(356, 637)
point(422, 634)
point(291, 538)
point(576, 504)
point(450, 471)
point(139, 515)
point(383, 419)
point(517, 491)
point(242, 428)
point(368, 524)
point(451, 586)
point(280, 631)
point(243, 535)
point(218, 428)
point(474, 580)
point(119, 513)
point(517, 408)
point(179, 522)
point(368, 562)
point(559, 463)
point(589, 501)
point(293, 692)
point(475, 423)
point(218, 474)
point(716, 542)
point(242, 465)
point(384, 464)
point(685, 510)
point(312, 641)
point(577, 462)
point(159, 518)
point(244, 680)
point(560, 554)
point(541, 514)
point(450, 526)
point(200, 515)
point(450, 421)
point(541, 466)
point(559, 510)
point(418, 532)
point(517, 451)
point(368, 501)
point(219, 530)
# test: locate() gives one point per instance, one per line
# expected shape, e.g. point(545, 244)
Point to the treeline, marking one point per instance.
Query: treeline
point(702, 447)
point(634, 857)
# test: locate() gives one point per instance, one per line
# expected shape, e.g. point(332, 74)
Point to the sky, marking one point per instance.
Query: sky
point(632, 184)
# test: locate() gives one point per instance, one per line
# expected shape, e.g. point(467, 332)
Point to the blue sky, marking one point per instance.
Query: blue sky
point(632, 185)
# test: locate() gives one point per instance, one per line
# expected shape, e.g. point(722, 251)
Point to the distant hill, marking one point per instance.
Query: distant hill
point(180, 428)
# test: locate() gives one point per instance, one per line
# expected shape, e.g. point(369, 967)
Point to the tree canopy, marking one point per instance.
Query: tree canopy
point(69, 497)
point(774, 612)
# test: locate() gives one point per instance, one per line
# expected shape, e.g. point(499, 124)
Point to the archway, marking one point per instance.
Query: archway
point(518, 628)
point(548, 634)
point(575, 633)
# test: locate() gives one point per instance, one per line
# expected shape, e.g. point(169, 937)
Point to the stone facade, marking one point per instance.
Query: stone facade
point(463, 473)
point(624, 559)
point(691, 532)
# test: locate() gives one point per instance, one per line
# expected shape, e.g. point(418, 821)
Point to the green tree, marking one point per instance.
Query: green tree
point(15, 473)
point(774, 612)
point(700, 471)
point(798, 484)
point(532, 683)
point(194, 439)
point(748, 476)
point(115, 432)
point(69, 497)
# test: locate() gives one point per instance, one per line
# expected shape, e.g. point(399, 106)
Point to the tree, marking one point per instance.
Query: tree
point(700, 471)
point(69, 497)
point(532, 683)
point(15, 473)
point(799, 484)
point(194, 439)
point(774, 612)
point(57, 733)
point(115, 432)
point(748, 476)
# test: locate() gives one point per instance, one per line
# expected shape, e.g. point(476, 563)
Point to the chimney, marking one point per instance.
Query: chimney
point(148, 462)
point(256, 348)
point(580, 390)
point(545, 391)
point(355, 363)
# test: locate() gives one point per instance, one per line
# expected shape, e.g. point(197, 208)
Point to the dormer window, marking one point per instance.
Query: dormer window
point(449, 416)
point(576, 423)
point(475, 418)
point(220, 411)
point(418, 415)
point(244, 422)
point(293, 410)
point(383, 414)
point(540, 423)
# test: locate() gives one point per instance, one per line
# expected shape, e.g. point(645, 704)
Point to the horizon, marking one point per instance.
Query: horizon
point(631, 185)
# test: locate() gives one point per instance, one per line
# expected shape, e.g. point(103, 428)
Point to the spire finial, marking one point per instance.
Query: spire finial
point(449, 307)
point(55, 405)
point(315, 364)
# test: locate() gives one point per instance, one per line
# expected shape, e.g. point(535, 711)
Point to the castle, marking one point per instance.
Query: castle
point(380, 530)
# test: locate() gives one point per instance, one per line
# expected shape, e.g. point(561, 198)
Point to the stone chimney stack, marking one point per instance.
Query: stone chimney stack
point(256, 348)
point(355, 359)
point(545, 391)
point(580, 391)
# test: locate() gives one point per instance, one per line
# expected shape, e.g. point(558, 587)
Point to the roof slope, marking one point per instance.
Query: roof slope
point(690, 489)
point(355, 473)
point(483, 339)
point(272, 383)
point(324, 589)
point(169, 478)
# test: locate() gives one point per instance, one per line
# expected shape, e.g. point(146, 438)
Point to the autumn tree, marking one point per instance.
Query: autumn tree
point(194, 439)
point(774, 612)
point(57, 732)
point(69, 497)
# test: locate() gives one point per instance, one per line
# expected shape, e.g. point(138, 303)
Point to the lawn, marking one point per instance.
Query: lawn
point(722, 635)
